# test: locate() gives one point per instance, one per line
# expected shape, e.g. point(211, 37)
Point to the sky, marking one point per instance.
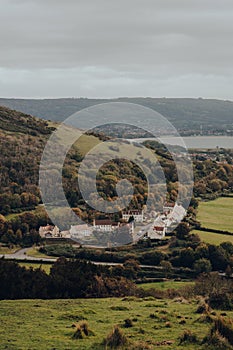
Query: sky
point(106, 48)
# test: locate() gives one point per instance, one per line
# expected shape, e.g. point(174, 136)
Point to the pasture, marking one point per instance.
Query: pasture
point(50, 324)
point(217, 214)
point(213, 238)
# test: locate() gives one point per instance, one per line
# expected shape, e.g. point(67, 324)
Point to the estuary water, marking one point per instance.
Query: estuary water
point(205, 142)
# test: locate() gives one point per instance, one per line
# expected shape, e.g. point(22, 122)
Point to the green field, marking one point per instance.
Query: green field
point(34, 252)
point(28, 265)
point(217, 214)
point(213, 238)
point(49, 324)
point(39, 209)
point(165, 285)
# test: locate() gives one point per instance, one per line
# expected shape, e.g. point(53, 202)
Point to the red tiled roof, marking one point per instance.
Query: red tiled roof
point(169, 204)
point(158, 228)
point(104, 222)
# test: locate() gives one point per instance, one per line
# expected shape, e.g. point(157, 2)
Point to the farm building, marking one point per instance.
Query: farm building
point(105, 225)
point(156, 232)
point(49, 231)
point(138, 215)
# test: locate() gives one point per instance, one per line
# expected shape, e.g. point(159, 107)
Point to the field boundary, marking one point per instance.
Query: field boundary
point(220, 232)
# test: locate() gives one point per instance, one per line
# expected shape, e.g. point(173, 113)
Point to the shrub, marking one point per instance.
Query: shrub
point(203, 307)
point(188, 337)
point(82, 330)
point(205, 318)
point(116, 338)
point(78, 333)
point(224, 327)
point(216, 341)
point(202, 265)
point(221, 301)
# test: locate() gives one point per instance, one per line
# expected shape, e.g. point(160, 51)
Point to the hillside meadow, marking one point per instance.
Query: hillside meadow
point(50, 324)
point(216, 214)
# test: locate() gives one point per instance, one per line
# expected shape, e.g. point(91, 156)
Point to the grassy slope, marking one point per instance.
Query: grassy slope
point(41, 324)
point(38, 210)
point(216, 214)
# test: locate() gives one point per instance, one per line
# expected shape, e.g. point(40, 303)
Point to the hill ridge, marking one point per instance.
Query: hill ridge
point(186, 114)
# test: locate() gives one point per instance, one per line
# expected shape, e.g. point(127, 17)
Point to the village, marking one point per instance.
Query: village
point(135, 223)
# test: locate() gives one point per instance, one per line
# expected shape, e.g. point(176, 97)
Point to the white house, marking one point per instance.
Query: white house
point(105, 225)
point(49, 231)
point(130, 227)
point(177, 214)
point(156, 232)
point(138, 215)
point(168, 207)
point(80, 231)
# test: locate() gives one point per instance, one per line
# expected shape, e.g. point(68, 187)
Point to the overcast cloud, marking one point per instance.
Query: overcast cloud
point(106, 48)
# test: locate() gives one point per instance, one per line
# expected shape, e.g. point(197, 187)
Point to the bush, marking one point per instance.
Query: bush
point(82, 330)
point(216, 341)
point(224, 327)
point(205, 318)
point(188, 337)
point(202, 265)
point(203, 308)
point(116, 338)
point(221, 301)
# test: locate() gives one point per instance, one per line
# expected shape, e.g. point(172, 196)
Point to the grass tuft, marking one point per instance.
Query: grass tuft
point(116, 338)
point(82, 330)
point(188, 337)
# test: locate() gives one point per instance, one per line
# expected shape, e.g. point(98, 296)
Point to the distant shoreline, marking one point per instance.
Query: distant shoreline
point(205, 142)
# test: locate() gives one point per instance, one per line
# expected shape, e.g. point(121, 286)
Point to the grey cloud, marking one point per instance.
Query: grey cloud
point(131, 42)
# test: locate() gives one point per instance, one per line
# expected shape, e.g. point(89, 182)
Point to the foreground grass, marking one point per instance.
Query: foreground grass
point(213, 238)
point(216, 214)
point(47, 324)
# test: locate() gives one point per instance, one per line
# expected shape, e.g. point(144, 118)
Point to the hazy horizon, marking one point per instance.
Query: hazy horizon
point(112, 98)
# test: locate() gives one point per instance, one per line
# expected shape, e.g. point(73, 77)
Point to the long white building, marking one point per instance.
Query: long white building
point(138, 215)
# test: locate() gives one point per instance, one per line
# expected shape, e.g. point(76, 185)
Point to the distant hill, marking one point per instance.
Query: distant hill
point(187, 114)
